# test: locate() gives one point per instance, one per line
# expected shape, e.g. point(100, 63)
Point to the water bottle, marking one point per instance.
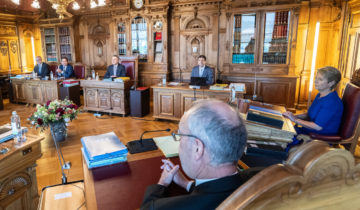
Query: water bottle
point(93, 74)
point(97, 76)
point(33, 75)
point(16, 127)
point(51, 75)
point(164, 79)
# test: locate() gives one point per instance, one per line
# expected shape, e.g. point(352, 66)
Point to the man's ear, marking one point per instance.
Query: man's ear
point(199, 149)
point(331, 83)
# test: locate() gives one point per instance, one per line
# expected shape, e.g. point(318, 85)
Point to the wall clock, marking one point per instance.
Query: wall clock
point(138, 4)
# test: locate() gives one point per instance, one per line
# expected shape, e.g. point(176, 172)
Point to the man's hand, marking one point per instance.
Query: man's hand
point(178, 177)
point(168, 173)
point(58, 70)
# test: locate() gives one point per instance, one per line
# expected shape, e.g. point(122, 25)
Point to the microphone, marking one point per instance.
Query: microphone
point(143, 145)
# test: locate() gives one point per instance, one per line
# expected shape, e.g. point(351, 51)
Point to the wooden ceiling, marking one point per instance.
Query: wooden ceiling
point(25, 6)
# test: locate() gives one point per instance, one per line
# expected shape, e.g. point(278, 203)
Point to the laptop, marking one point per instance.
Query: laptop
point(198, 81)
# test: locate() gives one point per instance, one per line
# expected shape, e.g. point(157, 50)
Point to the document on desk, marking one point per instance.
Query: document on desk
point(168, 146)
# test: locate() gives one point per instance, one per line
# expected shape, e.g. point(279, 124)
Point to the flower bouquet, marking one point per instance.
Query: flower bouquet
point(56, 114)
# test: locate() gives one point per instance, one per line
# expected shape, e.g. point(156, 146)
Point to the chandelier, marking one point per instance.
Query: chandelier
point(61, 5)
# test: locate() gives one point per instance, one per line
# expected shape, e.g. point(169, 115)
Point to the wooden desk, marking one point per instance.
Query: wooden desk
point(106, 96)
point(170, 102)
point(18, 185)
point(122, 186)
point(34, 91)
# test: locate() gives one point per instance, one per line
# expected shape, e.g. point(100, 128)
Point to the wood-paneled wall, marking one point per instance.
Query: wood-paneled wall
point(338, 41)
point(16, 34)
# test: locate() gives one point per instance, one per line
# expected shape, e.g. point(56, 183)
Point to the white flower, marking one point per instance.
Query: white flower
point(67, 119)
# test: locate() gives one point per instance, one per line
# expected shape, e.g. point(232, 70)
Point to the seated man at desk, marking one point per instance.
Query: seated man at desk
point(65, 69)
point(212, 139)
point(116, 69)
point(203, 71)
point(41, 69)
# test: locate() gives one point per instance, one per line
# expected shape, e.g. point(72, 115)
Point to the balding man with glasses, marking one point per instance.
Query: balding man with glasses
point(212, 139)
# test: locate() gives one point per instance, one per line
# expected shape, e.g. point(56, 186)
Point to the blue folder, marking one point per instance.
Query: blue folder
point(103, 146)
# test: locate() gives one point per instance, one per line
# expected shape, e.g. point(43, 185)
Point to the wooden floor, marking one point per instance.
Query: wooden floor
point(48, 169)
point(126, 128)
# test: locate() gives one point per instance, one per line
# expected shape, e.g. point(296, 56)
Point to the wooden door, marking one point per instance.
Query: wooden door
point(188, 99)
point(166, 104)
point(51, 91)
point(34, 93)
point(19, 90)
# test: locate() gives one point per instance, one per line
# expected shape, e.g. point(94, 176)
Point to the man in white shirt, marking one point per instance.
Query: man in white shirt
point(116, 69)
point(212, 139)
point(203, 71)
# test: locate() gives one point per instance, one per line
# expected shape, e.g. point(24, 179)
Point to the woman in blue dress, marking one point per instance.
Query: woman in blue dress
point(324, 114)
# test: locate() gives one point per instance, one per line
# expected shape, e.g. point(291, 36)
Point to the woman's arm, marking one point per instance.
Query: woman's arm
point(305, 123)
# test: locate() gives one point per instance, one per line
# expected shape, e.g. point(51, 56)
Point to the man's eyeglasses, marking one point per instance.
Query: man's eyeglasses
point(177, 136)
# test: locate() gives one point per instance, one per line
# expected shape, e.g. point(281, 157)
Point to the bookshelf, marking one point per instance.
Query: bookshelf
point(244, 38)
point(158, 50)
point(58, 43)
point(261, 38)
point(65, 43)
point(276, 37)
point(50, 44)
point(122, 38)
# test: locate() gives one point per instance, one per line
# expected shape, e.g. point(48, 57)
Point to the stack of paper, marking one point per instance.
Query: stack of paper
point(102, 150)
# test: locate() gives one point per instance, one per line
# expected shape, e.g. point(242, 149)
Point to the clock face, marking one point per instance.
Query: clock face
point(138, 3)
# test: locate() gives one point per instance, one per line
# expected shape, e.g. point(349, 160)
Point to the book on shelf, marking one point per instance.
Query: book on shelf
point(158, 57)
point(158, 47)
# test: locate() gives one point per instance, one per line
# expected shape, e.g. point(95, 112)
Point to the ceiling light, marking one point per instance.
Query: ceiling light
point(55, 6)
point(76, 6)
point(35, 4)
point(101, 3)
point(93, 4)
point(16, 2)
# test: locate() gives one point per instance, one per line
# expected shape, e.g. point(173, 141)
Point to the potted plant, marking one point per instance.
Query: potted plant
point(56, 114)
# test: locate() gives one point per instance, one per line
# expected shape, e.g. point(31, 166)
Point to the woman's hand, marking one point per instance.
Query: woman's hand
point(289, 115)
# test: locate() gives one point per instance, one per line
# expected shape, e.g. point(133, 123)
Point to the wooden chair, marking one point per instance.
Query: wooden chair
point(350, 124)
point(314, 177)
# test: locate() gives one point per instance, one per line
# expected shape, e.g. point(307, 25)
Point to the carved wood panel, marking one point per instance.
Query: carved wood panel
point(51, 93)
point(166, 104)
point(104, 98)
point(20, 91)
point(116, 100)
point(91, 97)
point(34, 93)
point(187, 101)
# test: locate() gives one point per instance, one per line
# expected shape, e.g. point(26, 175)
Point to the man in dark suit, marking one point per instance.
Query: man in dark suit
point(65, 69)
point(116, 69)
point(41, 69)
point(212, 139)
point(203, 71)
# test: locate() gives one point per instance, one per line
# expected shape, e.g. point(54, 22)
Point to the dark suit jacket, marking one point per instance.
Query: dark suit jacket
point(120, 72)
point(208, 195)
point(208, 73)
point(45, 70)
point(69, 71)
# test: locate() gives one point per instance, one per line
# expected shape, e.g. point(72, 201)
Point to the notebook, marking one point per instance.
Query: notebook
point(168, 146)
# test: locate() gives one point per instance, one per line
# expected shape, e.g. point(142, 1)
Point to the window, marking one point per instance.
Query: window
point(267, 45)
point(139, 38)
